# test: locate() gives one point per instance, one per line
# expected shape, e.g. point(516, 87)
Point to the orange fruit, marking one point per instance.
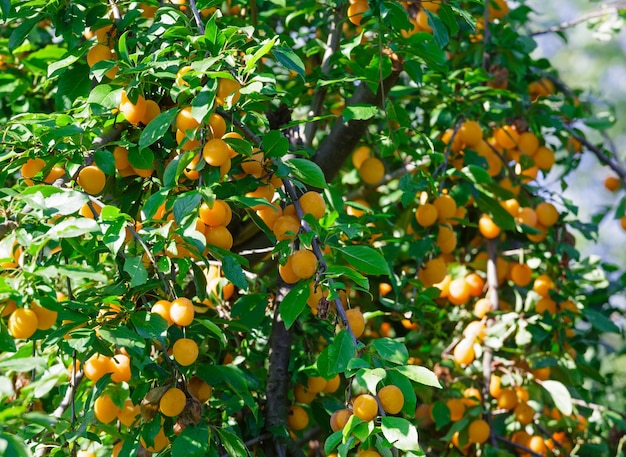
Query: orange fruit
point(162, 308)
point(359, 155)
point(457, 409)
point(97, 366)
point(472, 396)
point(426, 214)
point(478, 431)
point(316, 384)
point(99, 53)
point(482, 307)
point(313, 203)
point(545, 304)
point(365, 407)
point(528, 143)
point(536, 444)
point(507, 399)
point(544, 158)
point(507, 137)
point(160, 442)
point(391, 399)
point(304, 263)
point(286, 227)
point(152, 110)
point(523, 413)
point(105, 410)
point(446, 207)
point(521, 274)
point(105, 34)
point(92, 179)
point(339, 419)
point(333, 384)
point(487, 227)
point(185, 351)
point(120, 154)
point(356, 321)
point(181, 311)
point(464, 351)
point(356, 10)
point(372, 170)
point(120, 368)
point(46, 318)
point(612, 183)
point(494, 385)
point(547, 214)
point(446, 239)
point(543, 284)
point(172, 402)
point(470, 133)
point(302, 395)
point(226, 88)
point(297, 418)
point(254, 165)
point(133, 112)
point(435, 270)
point(476, 284)
point(219, 236)
point(199, 389)
point(185, 121)
point(459, 292)
point(217, 124)
point(286, 272)
point(129, 413)
point(218, 214)
point(22, 323)
point(216, 152)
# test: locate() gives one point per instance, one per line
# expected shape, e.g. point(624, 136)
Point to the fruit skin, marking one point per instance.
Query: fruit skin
point(391, 399)
point(172, 402)
point(365, 407)
point(372, 170)
point(120, 368)
point(185, 351)
point(97, 366)
point(356, 321)
point(105, 410)
point(464, 352)
point(182, 312)
point(199, 389)
point(133, 112)
point(297, 418)
point(339, 419)
point(22, 323)
point(313, 203)
point(478, 431)
point(92, 179)
point(426, 214)
point(304, 263)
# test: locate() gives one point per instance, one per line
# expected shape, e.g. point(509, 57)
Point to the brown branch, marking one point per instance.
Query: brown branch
point(277, 391)
point(317, 102)
point(604, 10)
point(344, 136)
point(518, 446)
point(486, 35)
point(196, 16)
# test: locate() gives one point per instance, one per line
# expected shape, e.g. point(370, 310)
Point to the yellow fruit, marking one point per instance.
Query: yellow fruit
point(162, 308)
point(105, 410)
point(216, 152)
point(22, 323)
point(470, 133)
point(523, 413)
point(507, 399)
point(46, 318)
point(172, 402)
point(160, 442)
point(507, 137)
point(356, 10)
point(446, 207)
point(333, 384)
point(304, 263)
point(339, 419)
point(359, 155)
point(356, 322)
point(482, 307)
point(286, 272)
point(219, 214)
point(457, 409)
point(217, 124)
point(297, 418)
point(521, 274)
point(313, 203)
point(372, 170)
point(464, 351)
point(219, 236)
point(97, 366)
point(185, 121)
point(129, 413)
point(459, 292)
point(426, 214)
point(225, 88)
point(303, 395)
point(133, 112)
point(181, 311)
point(391, 399)
point(612, 183)
point(120, 368)
point(544, 158)
point(185, 351)
point(316, 384)
point(542, 285)
point(152, 110)
point(478, 431)
point(365, 407)
point(487, 227)
point(199, 389)
point(286, 227)
point(547, 214)
point(92, 179)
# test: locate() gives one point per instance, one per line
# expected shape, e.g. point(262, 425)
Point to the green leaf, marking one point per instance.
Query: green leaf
point(157, 128)
point(499, 215)
point(289, 59)
point(400, 433)
point(186, 204)
point(105, 161)
point(560, 395)
point(365, 259)
point(275, 144)
point(19, 33)
point(333, 441)
point(391, 350)
point(408, 391)
point(233, 272)
point(263, 50)
point(141, 159)
point(600, 322)
point(294, 303)
point(68, 202)
point(5, 5)
point(341, 351)
point(231, 442)
point(136, 270)
point(421, 375)
point(249, 310)
point(359, 112)
point(308, 172)
point(192, 442)
point(440, 32)
point(149, 325)
point(12, 446)
point(6, 340)
point(71, 228)
point(371, 378)
point(213, 329)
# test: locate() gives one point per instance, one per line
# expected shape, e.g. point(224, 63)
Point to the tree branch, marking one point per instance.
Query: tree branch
point(344, 136)
point(196, 16)
point(603, 10)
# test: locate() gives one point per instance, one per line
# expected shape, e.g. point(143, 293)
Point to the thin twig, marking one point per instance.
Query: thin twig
point(604, 10)
point(492, 294)
point(518, 446)
point(196, 15)
point(486, 35)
